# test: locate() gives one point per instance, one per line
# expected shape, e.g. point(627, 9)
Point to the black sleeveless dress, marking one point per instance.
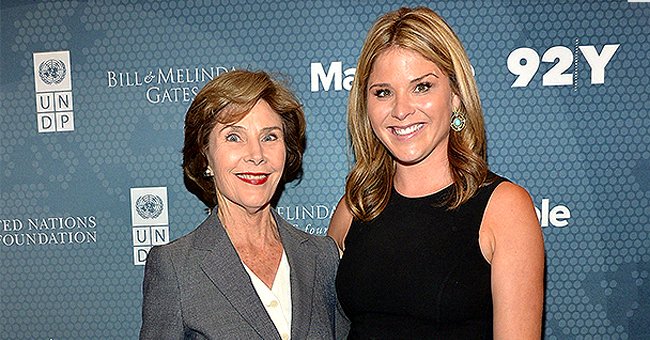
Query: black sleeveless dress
point(416, 271)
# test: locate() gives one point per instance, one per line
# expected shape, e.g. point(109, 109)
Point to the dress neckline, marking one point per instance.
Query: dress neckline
point(437, 194)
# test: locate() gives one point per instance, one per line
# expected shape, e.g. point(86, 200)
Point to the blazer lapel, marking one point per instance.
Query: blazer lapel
point(303, 269)
point(224, 268)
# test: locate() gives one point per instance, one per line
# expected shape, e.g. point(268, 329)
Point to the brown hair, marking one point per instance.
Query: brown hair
point(370, 182)
point(227, 99)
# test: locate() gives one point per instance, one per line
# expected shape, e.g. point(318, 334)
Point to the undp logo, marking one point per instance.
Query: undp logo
point(52, 71)
point(149, 206)
point(53, 86)
point(150, 222)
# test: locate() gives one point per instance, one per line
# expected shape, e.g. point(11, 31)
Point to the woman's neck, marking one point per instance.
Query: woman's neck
point(422, 179)
point(256, 239)
point(249, 229)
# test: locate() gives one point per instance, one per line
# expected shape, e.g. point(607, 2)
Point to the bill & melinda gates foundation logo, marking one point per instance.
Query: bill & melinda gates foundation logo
point(53, 86)
point(149, 221)
point(166, 85)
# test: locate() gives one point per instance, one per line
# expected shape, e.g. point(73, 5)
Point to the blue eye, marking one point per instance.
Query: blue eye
point(270, 137)
point(232, 138)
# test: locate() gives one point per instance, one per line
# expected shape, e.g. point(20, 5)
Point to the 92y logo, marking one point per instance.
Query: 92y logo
point(524, 63)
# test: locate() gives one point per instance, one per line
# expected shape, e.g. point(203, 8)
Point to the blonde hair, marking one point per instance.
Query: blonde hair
point(370, 182)
point(227, 99)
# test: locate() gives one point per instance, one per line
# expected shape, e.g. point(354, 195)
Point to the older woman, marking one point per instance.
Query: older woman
point(435, 245)
point(244, 273)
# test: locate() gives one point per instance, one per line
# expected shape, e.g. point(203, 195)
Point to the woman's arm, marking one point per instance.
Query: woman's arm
point(517, 257)
point(340, 224)
point(341, 321)
point(161, 307)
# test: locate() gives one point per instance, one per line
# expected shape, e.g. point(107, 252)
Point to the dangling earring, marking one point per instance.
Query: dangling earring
point(208, 173)
point(457, 120)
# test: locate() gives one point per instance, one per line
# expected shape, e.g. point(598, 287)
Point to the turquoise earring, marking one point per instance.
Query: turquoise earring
point(457, 120)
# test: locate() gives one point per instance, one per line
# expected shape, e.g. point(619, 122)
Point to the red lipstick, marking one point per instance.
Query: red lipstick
point(253, 178)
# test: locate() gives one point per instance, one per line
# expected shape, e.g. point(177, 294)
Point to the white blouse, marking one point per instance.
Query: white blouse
point(277, 300)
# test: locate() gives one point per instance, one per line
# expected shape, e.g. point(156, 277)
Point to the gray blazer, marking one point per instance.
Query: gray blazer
point(197, 288)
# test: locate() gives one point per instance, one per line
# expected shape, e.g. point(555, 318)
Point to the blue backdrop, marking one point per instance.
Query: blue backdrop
point(93, 96)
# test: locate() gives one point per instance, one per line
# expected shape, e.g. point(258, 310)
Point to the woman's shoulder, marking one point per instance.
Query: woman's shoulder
point(325, 246)
point(502, 188)
point(509, 221)
point(319, 244)
point(340, 223)
point(184, 243)
point(505, 190)
point(510, 209)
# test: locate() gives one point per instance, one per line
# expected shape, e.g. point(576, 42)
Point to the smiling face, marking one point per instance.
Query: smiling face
point(247, 158)
point(409, 107)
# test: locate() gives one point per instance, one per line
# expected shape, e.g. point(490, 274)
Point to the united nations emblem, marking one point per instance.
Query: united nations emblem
point(52, 71)
point(149, 206)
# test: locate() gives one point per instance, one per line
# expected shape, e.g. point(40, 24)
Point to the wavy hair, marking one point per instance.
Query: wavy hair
point(227, 99)
point(370, 181)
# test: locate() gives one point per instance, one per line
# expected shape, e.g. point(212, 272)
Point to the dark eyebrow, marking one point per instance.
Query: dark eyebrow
point(231, 126)
point(271, 128)
point(241, 128)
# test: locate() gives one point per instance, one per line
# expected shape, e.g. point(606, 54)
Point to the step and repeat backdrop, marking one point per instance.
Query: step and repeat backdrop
point(93, 96)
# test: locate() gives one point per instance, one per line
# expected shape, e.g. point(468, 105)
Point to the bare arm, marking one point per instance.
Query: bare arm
point(340, 224)
point(517, 257)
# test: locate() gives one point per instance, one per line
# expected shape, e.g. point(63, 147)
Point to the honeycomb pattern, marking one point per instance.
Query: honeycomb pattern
point(583, 146)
